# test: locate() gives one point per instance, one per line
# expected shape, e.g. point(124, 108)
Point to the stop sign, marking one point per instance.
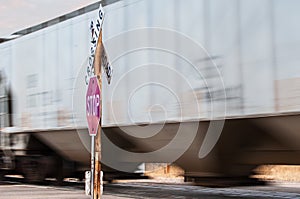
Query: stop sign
point(93, 106)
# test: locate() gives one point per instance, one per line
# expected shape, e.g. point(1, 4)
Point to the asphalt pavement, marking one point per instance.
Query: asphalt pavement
point(17, 190)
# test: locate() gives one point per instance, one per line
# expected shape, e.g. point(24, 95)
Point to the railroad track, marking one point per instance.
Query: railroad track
point(155, 190)
point(74, 184)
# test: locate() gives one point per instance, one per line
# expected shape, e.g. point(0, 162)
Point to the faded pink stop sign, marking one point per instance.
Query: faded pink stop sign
point(93, 106)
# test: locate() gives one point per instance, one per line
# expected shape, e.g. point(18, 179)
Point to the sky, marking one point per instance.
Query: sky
point(16, 15)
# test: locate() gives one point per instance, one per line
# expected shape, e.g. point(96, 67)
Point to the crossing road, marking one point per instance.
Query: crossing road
point(18, 190)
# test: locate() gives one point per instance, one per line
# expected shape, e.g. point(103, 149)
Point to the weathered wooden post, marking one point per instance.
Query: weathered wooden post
point(93, 103)
point(98, 59)
point(97, 174)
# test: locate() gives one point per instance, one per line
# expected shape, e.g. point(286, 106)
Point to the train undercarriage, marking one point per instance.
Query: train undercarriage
point(244, 144)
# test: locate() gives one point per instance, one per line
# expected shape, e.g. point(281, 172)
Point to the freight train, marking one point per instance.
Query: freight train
point(210, 85)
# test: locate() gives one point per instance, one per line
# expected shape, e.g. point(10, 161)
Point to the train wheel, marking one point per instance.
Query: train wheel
point(59, 177)
point(2, 174)
point(33, 169)
point(59, 171)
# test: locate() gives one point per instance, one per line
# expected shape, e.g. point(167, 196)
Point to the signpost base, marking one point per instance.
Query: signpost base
point(92, 165)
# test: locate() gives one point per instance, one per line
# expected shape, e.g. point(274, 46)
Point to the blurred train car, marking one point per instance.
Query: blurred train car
point(212, 86)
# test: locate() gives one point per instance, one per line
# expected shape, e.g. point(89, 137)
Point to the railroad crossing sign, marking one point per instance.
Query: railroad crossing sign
point(93, 106)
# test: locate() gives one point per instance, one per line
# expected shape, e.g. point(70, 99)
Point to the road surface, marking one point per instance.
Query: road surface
point(17, 190)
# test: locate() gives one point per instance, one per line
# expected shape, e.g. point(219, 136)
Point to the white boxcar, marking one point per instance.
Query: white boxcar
point(255, 55)
point(174, 61)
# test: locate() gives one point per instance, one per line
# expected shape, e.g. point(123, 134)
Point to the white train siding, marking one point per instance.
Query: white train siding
point(254, 44)
point(45, 65)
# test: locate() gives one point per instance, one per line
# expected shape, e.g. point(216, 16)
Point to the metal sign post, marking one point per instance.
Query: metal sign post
point(93, 114)
point(92, 165)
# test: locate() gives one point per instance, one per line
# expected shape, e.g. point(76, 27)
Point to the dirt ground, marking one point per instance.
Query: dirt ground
point(172, 172)
point(279, 173)
point(165, 172)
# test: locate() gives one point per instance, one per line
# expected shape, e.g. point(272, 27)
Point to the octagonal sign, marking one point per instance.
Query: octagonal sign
point(93, 106)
